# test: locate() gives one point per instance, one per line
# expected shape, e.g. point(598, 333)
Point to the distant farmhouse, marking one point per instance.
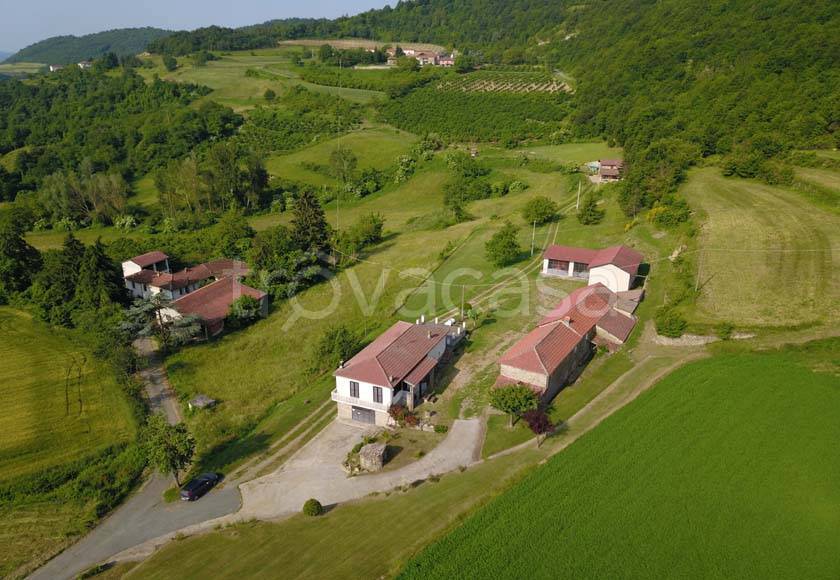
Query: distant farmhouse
point(610, 169)
point(85, 64)
point(444, 59)
point(398, 368)
point(56, 67)
point(206, 291)
point(554, 353)
point(615, 267)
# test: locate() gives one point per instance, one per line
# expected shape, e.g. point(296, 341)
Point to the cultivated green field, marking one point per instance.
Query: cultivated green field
point(39, 431)
point(768, 257)
point(726, 469)
point(19, 68)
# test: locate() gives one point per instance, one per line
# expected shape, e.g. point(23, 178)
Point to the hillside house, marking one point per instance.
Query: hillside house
point(615, 267)
point(446, 60)
point(85, 64)
point(426, 58)
point(610, 169)
point(554, 353)
point(211, 287)
point(398, 368)
point(56, 67)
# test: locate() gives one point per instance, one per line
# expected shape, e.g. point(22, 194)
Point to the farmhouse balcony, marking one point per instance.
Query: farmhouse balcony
point(358, 402)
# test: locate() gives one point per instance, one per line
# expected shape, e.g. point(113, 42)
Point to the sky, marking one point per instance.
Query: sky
point(23, 23)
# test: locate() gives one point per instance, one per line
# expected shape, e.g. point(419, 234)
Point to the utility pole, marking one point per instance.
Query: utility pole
point(533, 236)
point(577, 205)
point(462, 302)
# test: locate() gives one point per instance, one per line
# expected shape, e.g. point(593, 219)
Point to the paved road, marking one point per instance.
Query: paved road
point(144, 515)
point(315, 471)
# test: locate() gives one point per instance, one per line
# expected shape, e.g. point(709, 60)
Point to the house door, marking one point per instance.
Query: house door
point(363, 415)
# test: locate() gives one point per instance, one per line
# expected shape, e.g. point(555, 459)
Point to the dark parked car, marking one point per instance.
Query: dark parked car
point(198, 486)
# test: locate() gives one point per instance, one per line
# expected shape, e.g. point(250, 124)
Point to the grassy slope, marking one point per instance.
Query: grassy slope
point(36, 432)
point(823, 177)
point(376, 147)
point(725, 469)
point(744, 281)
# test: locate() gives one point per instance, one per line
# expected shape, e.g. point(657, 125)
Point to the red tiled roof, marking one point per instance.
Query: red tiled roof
point(181, 279)
point(149, 258)
point(543, 349)
point(142, 277)
point(617, 324)
point(419, 373)
point(226, 267)
point(394, 354)
point(611, 162)
point(585, 302)
point(610, 171)
point(623, 257)
point(546, 347)
point(212, 302)
point(569, 254)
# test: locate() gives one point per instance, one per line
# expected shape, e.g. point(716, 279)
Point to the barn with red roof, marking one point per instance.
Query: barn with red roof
point(616, 267)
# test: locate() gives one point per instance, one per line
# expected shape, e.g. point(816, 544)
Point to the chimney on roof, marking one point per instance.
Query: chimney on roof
point(341, 364)
point(436, 319)
point(429, 335)
point(422, 318)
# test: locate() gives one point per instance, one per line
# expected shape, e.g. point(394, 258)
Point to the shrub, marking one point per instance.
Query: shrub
point(441, 428)
point(669, 322)
point(402, 416)
point(503, 248)
point(313, 507)
point(514, 400)
point(724, 330)
point(540, 210)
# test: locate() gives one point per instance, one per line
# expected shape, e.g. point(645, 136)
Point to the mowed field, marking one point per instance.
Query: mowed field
point(376, 147)
point(231, 87)
point(37, 431)
point(768, 257)
point(725, 469)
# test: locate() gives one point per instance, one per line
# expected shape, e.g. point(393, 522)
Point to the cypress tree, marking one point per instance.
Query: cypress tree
point(310, 228)
point(99, 282)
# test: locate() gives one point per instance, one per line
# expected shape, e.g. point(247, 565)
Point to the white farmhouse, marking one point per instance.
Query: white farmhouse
point(615, 267)
point(398, 368)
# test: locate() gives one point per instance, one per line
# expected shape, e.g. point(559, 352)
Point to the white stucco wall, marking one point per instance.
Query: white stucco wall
point(342, 385)
point(610, 276)
point(129, 268)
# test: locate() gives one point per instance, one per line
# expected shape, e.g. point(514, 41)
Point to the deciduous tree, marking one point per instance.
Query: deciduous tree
point(513, 400)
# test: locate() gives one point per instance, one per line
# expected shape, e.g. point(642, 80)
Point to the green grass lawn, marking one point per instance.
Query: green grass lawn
point(501, 436)
point(577, 153)
point(38, 430)
point(377, 147)
point(726, 469)
point(766, 257)
point(231, 87)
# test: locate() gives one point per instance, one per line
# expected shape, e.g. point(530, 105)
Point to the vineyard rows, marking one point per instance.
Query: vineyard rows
point(504, 83)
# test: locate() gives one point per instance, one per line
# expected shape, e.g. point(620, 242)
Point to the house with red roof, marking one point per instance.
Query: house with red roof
point(615, 267)
point(398, 368)
point(554, 353)
point(610, 169)
point(206, 290)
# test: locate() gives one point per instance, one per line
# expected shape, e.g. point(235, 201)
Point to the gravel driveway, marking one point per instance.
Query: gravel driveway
point(315, 471)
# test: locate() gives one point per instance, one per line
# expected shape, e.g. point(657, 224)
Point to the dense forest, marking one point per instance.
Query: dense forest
point(69, 49)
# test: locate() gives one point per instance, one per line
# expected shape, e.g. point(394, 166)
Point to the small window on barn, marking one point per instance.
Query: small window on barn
point(354, 389)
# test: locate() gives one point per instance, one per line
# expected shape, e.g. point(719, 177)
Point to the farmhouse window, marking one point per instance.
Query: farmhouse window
point(354, 389)
point(377, 394)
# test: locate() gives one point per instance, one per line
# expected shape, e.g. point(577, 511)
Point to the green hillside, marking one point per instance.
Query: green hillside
point(69, 49)
point(724, 470)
